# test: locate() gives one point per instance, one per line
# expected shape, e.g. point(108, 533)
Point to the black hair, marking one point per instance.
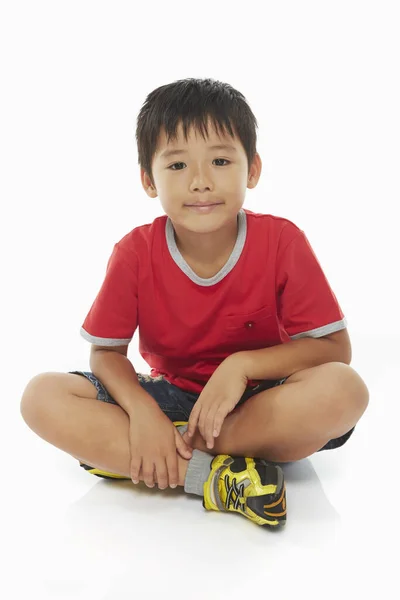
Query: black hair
point(192, 101)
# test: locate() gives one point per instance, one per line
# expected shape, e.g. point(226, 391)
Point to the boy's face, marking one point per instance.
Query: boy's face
point(201, 174)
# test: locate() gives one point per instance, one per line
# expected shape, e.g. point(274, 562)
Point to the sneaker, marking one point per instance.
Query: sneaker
point(252, 487)
point(100, 473)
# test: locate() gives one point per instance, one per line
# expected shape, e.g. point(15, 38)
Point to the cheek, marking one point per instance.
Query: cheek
point(169, 190)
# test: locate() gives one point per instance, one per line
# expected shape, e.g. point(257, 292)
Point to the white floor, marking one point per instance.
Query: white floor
point(67, 534)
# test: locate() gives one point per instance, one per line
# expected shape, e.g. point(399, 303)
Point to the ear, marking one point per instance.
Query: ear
point(147, 185)
point(254, 171)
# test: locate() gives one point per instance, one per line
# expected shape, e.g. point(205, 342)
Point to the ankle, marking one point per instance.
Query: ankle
point(182, 469)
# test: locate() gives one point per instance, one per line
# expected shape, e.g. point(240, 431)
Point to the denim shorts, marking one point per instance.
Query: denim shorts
point(177, 404)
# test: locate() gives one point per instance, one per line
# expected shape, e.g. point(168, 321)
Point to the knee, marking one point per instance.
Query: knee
point(349, 391)
point(361, 392)
point(34, 397)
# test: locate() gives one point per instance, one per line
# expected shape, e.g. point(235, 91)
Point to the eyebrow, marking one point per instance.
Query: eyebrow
point(168, 153)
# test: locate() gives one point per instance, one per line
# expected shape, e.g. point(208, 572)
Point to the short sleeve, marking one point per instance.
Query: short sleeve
point(112, 319)
point(307, 306)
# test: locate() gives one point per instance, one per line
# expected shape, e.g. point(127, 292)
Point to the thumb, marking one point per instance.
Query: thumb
point(183, 449)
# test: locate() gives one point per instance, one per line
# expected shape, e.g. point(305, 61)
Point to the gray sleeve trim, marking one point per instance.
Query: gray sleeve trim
point(321, 331)
point(99, 341)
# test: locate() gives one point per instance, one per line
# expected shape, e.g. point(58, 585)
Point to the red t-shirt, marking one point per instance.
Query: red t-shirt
point(271, 290)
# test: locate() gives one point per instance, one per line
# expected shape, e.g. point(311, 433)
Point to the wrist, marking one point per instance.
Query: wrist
point(241, 362)
point(142, 404)
point(139, 403)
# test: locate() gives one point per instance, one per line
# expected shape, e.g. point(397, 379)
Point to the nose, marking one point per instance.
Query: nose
point(200, 189)
point(201, 181)
point(200, 184)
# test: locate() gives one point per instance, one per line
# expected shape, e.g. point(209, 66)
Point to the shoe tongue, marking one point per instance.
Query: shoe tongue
point(246, 482)
point(268, 473)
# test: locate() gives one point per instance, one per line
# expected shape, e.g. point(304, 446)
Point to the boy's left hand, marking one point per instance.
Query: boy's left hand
point(218, 398)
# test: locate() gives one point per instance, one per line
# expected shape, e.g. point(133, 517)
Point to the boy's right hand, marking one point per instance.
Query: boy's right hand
point(154, 442)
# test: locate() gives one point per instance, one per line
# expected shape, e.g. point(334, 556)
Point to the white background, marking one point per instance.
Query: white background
point(323, 81)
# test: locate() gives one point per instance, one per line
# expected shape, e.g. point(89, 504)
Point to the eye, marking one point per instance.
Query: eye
point(180, 163)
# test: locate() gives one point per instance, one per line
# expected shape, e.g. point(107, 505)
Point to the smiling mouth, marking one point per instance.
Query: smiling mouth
point(204, 209)
point(203, 205)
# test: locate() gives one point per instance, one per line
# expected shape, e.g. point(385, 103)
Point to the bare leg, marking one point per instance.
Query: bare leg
point(62, 409)
point(292, 421)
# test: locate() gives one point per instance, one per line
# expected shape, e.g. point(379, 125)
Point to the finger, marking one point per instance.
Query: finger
point(148, 473)
point(136, 463)
point(202, 421)
point(209, 427)
point(184, 450)
point(219, 419)
point(193, 419)
point(162, 473)
point(172, 465)
point(218, 422)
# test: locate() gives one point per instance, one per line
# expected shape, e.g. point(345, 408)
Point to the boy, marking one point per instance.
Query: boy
point(247, 344)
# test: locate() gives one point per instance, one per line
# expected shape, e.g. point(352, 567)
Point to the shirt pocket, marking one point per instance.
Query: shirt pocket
point(248, 329)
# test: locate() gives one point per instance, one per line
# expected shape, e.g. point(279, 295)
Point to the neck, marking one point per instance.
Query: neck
point(207, 248)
